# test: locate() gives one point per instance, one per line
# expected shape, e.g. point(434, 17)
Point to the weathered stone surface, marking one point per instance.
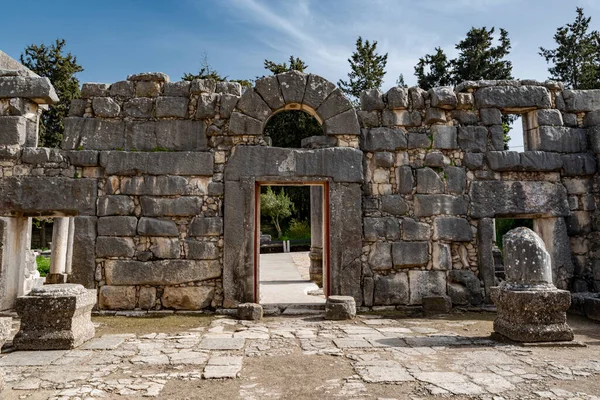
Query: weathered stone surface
point(187, 298)
point(503, 160)
point(105, 107)
point(427, 205)
point(197, 250)
point(156, 186)
point(161, 207)
point(206, 226)
point(429, 182)
point(268, 89)
point(405, 180)
point(444, 137)
point(249, 311)
point(491, 198)
point(443, 97)
point(167, 106)
point(115, 205)
point(336, 103)
point(253, 105)
point(40, 196)
point(540, 161)
point(582, 100)
point(526, 261)
point(417, 97)
point(436, 304)
point(114, 247)
point(401, 118)
point(55, 317)
point(579, 223)
point(436, 159)
point(157, 227)
point(413, 230)
point(559, 139)
point(293, 85)
point(180, 135)
point(93, 134)
point(579, 164)
point(391, 289)
point(117, 226)
point(345, 123)
point(117, 297)
point(84, 254)
point(426, 283)
point(383, 159)
point(397, 97)
point(339, 308)
point(410, 254)
point(41, 155)
point(138, 107)
point(464, 287)
point(226, 87)
point(510, 98)
point(163, 272)
point(380, 257)
point(549, 117)
point(317, 90)
point(474, 160)
point(40, 90)
point(465, 117)
point(199, 86)
point(466, 101)
point(241, 124)
point(473, 138)
point(434, 115)
point(453, 229)
point(442, 257)
point(383, 139)
point(418, 140)
point(122, 89)
point(394, 204)
point(381, 228)
point(371, 100)
point(149, 76)
point(456, 179)
point(179, 89)
point(162, 247)
point(161, 163)
point(490, 116)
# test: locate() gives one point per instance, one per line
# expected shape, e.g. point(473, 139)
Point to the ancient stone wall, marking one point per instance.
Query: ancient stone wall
point(160, 179)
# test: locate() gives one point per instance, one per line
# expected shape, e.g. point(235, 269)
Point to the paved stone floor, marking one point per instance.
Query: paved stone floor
point(373, 357)
point(282, 280)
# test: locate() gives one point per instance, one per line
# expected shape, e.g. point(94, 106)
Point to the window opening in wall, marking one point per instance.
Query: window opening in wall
point(503, 225)
point(513, 130)
point(287, 128)
point(41, 240)
point(288, 244)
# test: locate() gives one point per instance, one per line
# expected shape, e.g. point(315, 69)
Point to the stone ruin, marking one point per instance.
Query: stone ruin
point(155, 187)
point(530, 307)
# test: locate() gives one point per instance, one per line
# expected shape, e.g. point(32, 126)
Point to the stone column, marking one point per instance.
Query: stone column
point(69, 261)
point(316, 235)
point(58, 258)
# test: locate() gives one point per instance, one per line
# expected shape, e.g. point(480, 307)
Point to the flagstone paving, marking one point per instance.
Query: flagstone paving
point(306, 357)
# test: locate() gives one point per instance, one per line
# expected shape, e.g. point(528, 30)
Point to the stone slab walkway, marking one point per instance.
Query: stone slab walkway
point(373, 357)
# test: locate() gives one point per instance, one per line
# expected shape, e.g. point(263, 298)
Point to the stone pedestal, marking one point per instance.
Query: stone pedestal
point(55, 317)
point(340, 308)
point(54, 279)
point(530, 307)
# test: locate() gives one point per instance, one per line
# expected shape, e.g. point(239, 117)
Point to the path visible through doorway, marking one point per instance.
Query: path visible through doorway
point(282, 280)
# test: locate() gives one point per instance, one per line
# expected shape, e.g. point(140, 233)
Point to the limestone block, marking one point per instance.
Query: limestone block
point(413, 230)
point(496, 137)
point(197, 250)
point(511, 98)
point(199, 86)
point(163, 247)
point(115, 205)
point(122, 89)
point(139, 107)
point(418, 140)
point(232, 88)
point(424, 284)
point(490, 198)
point(579, 223)
point(473, 138)
point(162, 272)
point(410, 254)
point(157, 227)
point(559, 139)
point(336, 103)
point(317, 90)
point(383, 159)
point(443, 97)
point(427, 205)
point(540, 161)
point(371, 100)
point(177, 89)
point(107, 246)
point(147, 298)
point(391, 289)
point(160, 163)
point(474, 160)
point(5, 329)
point(368, 287)
point(444, 137)
point(345, 123)
point(490, 116)
point(117, 297)
point(550, 117)
point(456, 178)
point(394, 204)
point(340, 308)
point(464, 287)
point(140, 135)
point(401, 118)
point(368, 119)
point(84, 252)
point(318, 142)
point(181, 135)
point(207, 105)
point(453, 229)
point(249, 311)
point(579, 164)
point(417, 97)
point(187, 298)
point(442, 257)
point(155, 185)
point(503, 160)
point(429, 182)
point(405, 180)
point(436, 304)
point(241, 124)
point(381, 228)
point(466, 101)
point(117, 226)
point(167, 106)
point(228, 104)
point(93, 134)
point(55, 317)
point(77, 108)
point(39, 90)
point(293, 85)
point(13, 130)
point(206, 226)
point(268, 89)
point(41, 155)
point(105, 107)
point(397, 97)
point(465, 117)
point(253, 105)
point(380, 257)
point(147, 88)
point(383, 139)
point(582, 100)
point(149, 76)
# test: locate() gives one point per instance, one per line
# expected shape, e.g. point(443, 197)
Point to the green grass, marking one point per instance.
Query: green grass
point(43, 265)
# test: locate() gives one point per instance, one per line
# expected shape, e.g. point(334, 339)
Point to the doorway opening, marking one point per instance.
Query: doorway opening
point(292, 231)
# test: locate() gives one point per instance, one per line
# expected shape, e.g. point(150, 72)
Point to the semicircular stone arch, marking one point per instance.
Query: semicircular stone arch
point(294, 90)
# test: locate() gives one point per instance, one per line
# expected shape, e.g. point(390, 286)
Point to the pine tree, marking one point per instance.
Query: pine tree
point(434, 70)
point(478, 59)
point(296, 64)
point(60, 69)
point(576, 59)
point(367, 69)
point(206, 72)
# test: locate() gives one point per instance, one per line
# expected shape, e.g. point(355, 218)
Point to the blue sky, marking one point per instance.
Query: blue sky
point(113, 39)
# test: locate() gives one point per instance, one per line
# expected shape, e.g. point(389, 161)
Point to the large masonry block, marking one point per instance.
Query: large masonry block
point(515, 99)
point(163, 272)
point(453, 229)
point(13, 131)
point(168, 163)
point(410, 254)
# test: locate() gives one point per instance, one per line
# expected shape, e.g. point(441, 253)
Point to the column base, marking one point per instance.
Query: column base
point(52, 279)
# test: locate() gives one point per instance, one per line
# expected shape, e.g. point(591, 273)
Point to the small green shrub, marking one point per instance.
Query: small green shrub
point(43, 265)
point(299, 229)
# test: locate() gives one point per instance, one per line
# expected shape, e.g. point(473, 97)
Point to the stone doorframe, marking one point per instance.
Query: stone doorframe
point(339, 169)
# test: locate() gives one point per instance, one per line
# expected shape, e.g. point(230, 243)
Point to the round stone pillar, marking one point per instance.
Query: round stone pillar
point(58, 257)
point(316, 235)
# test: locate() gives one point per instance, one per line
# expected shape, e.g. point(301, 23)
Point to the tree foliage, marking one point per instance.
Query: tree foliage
point(276, 206)
point(367, 69)
point(296, 64)
point(207, 72)
point(478, 59)
point(60, 68)
point(576, 59)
